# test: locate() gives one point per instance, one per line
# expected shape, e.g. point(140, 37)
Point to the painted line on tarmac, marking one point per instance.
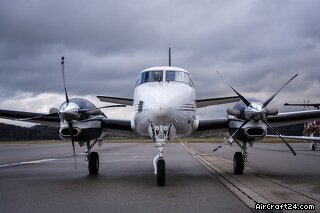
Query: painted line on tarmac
point(244, 193)
point(252, 187)
point(27, 162)
point(35, 161)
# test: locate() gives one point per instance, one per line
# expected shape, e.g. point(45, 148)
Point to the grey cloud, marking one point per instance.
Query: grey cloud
point(256, 45)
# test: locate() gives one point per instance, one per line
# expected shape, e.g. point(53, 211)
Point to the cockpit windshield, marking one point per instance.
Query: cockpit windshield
point(150, 76)
point(178, 76)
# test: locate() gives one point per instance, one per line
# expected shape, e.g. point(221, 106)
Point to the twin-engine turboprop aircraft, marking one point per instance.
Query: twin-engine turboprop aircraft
point(165, 107)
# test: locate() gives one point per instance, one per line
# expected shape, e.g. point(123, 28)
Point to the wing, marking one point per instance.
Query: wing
point(52, 120)
point(296, 137)
point(282, 119)
point(210, 127)
point(221, 123)
point(215, 101)
point(116, 100)
point(297, 117)
point(115, 126)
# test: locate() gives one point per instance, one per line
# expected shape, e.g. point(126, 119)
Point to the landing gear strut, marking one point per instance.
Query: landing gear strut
point(92, 159)
point(160, 137)
point(313, 145)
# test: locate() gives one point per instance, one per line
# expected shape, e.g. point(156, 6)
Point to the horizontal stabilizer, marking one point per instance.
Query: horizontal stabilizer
point(216, 101)
point(116, 100)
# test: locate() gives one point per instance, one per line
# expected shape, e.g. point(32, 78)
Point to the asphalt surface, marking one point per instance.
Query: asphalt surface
point(43, 178)
point(285, 178)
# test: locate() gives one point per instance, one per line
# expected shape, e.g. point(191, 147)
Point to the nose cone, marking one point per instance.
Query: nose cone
point(161, 114)
point(255, 111)
point(69, 111)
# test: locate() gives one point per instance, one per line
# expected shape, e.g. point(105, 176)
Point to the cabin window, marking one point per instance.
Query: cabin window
point(150, 76)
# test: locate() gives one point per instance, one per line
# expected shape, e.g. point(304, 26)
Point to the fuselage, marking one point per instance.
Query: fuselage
point(164, 96)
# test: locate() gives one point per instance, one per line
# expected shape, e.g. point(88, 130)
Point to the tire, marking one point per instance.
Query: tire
point(238, 164)
point(313, 147)
point(93, 163)
point(161, 172)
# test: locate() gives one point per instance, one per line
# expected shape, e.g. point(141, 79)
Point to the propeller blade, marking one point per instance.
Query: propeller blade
point(288, 145)
point(228, 139)
point(36, 117)
point(274, 95)
point(64, 80)
point(70, 125)
point(247, 103)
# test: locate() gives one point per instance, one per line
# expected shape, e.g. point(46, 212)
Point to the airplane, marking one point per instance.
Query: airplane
point(312, 129)
point(315, 140)
point(165, 105)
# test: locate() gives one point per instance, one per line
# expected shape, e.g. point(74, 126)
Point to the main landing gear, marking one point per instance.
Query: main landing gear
point(92, 159)
point(240, 159)
point(160, 137)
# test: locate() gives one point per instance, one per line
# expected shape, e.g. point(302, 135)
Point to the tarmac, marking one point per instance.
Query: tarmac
point(43, 178)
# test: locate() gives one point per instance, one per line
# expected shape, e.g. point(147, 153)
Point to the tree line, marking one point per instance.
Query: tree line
point(38, 132)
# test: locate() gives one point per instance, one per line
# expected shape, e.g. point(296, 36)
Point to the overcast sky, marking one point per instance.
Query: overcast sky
point(256, 45)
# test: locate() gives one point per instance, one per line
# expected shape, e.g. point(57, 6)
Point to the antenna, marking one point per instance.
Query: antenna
point(169, 56)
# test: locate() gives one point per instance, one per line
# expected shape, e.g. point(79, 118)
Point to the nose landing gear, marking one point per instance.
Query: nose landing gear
point(160, 137)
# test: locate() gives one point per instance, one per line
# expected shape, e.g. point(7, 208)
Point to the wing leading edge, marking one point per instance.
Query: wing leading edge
point(115, 100)
point(52, 120)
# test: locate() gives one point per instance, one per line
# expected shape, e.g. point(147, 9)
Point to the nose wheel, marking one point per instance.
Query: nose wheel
point(161, 172)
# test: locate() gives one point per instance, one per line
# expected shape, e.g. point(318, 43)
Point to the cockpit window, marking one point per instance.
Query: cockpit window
point(178, 76)
point(150, 76)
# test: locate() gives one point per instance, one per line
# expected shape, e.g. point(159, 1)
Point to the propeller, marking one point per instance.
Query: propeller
point(70, 121)
point(64, 79)
point(70, 125)
point(256, 111)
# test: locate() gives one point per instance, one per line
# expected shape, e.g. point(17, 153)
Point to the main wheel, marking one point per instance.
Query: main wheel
point(93, 163)
point(161, 172)
point(238, 164)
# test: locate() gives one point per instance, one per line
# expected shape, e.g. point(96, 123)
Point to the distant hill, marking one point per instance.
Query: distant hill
point(39, 132)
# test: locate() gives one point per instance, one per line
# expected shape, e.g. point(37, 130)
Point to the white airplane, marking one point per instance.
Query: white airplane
point(165, 106)
point(315, 140)
point(311, 130)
